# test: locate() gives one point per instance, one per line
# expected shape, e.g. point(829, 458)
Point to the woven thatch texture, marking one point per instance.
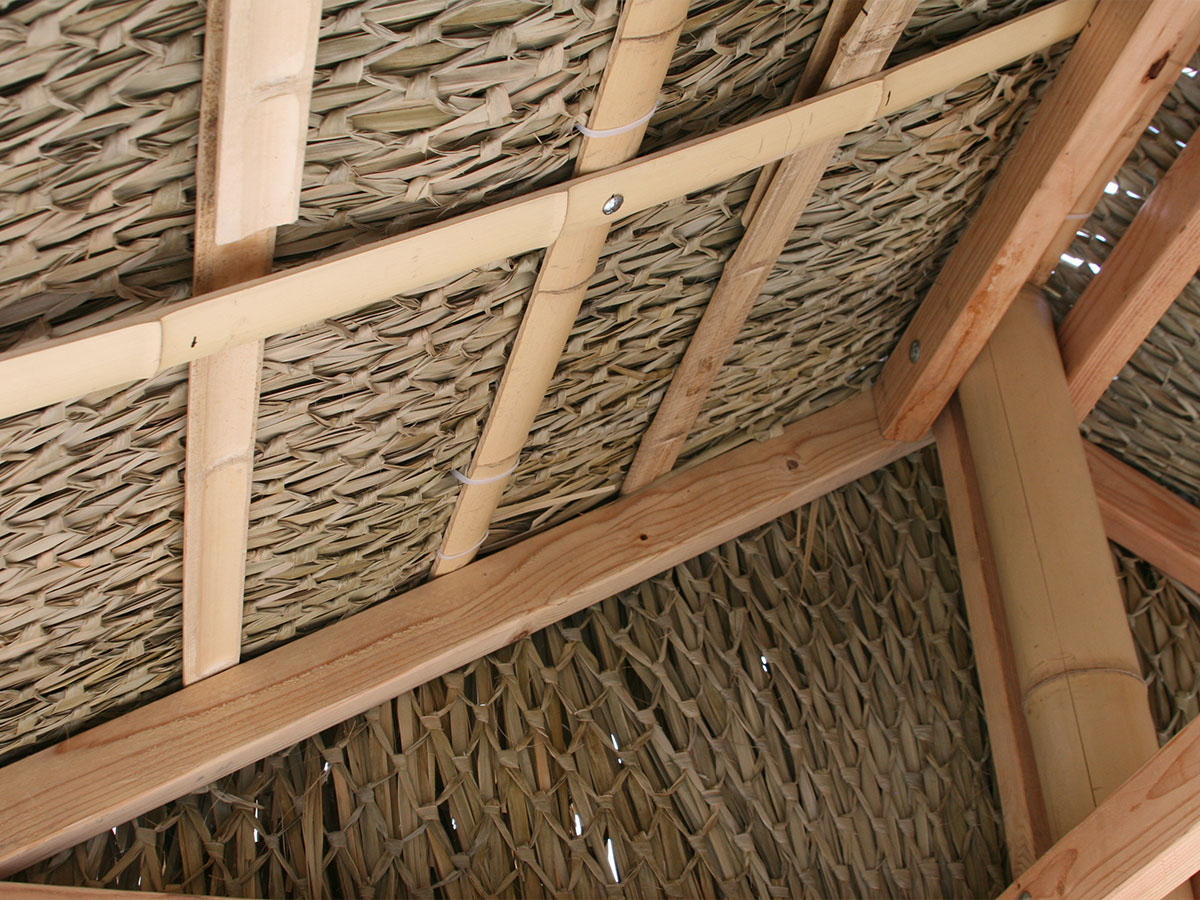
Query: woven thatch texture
point(362, 418)
point(785, 716)
point(421, 109)
point(1150, 416)
point(795, 716)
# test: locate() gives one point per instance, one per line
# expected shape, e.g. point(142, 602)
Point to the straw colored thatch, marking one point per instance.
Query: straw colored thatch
point(829, 671)
point(362, 418)
point(792, 714)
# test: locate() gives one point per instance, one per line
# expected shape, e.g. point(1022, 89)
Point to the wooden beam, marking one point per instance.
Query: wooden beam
point(1145, 272)
point(122, 768)
point(1145, 518)
point(637, 64)
point(140, 346)
point(1075, 658)
point(1026, 829)
point(13, 890)
point(1126, 59)
point(1143, 840)
point(255, 91)
point(862, 50)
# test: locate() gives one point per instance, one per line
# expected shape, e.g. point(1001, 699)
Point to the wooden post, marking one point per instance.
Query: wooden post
point(1080, 681)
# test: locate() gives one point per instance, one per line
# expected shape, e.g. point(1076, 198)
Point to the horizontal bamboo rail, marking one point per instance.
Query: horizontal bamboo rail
point(140, 346)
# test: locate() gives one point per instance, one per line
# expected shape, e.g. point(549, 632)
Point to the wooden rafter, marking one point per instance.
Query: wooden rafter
point(862, 49)
point(258, 70)
point(641, 53)
point(1147, 519)
point(1026, 830)
point(1145, 272)
point(138, 347)
point(1126, 59)
point(102, 777)
point(1143, 840)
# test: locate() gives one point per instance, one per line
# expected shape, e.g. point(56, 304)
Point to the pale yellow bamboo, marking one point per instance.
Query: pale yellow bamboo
point(257, 81)
point(642, 50)
point(140, 346)
point(862, 50)
point(1080, 681)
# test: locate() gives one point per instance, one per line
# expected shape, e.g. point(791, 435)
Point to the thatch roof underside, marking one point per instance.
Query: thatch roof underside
point(865, 713)
point(792, 714)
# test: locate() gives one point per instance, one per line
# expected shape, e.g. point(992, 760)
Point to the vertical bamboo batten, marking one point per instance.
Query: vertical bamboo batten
point(642, 51)
point(1081, 683)
point(863, 47)
point(258, 70)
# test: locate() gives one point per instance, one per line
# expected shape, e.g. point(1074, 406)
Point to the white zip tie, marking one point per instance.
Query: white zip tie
point(471, 549)
point(612, 132)
point(466, 479)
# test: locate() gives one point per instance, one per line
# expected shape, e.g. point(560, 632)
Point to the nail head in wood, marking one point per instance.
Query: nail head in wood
point(914, 351)
point(612, 204)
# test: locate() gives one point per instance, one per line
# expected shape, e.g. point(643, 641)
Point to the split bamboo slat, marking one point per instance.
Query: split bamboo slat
point(253, 125)
point(1138, 843)
point(99, 778)
point(1127, 58)
point(862, 49)
point(140, 346)
point(1074, 654)
point(628, 96)
point(1026, 829)
point(1146, 271)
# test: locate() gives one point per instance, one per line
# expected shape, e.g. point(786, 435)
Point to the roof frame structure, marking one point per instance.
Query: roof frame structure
point(1126, 59)
point(86, 784)
point(139, 347)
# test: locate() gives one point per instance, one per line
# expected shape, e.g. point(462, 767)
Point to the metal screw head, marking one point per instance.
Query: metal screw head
point(1025, 895)
point(612, 204)
point(914, 351)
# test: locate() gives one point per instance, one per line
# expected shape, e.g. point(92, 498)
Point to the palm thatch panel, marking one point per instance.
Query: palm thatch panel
point(1150, 416)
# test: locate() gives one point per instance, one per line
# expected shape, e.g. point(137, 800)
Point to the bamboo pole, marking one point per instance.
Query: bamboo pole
point(257, 81)
point(1074, 655)
point(140, 346)
point(861, 50)
point(642, 51)
point(101, 777)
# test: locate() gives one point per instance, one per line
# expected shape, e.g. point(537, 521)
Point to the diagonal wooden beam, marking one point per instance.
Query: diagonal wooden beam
point(1145, 518)
point(1026, 829)
point(1126, 59)
point(141, 346)
point(102, 777)
point(642, 51)
point(257, 81)
point(863, 49)
point(1143, 840)
point(1145, 272)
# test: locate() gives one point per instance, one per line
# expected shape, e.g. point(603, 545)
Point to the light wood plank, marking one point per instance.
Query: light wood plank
point(862, 50)
point(1139, 843)
point(101, 777)
point(1126, 59)
point(1073, 652)
point(257, 82)
point(1026, 829)
point(139, 347)
point(1145, 518)
point(642, 51)
point(1145, 272)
